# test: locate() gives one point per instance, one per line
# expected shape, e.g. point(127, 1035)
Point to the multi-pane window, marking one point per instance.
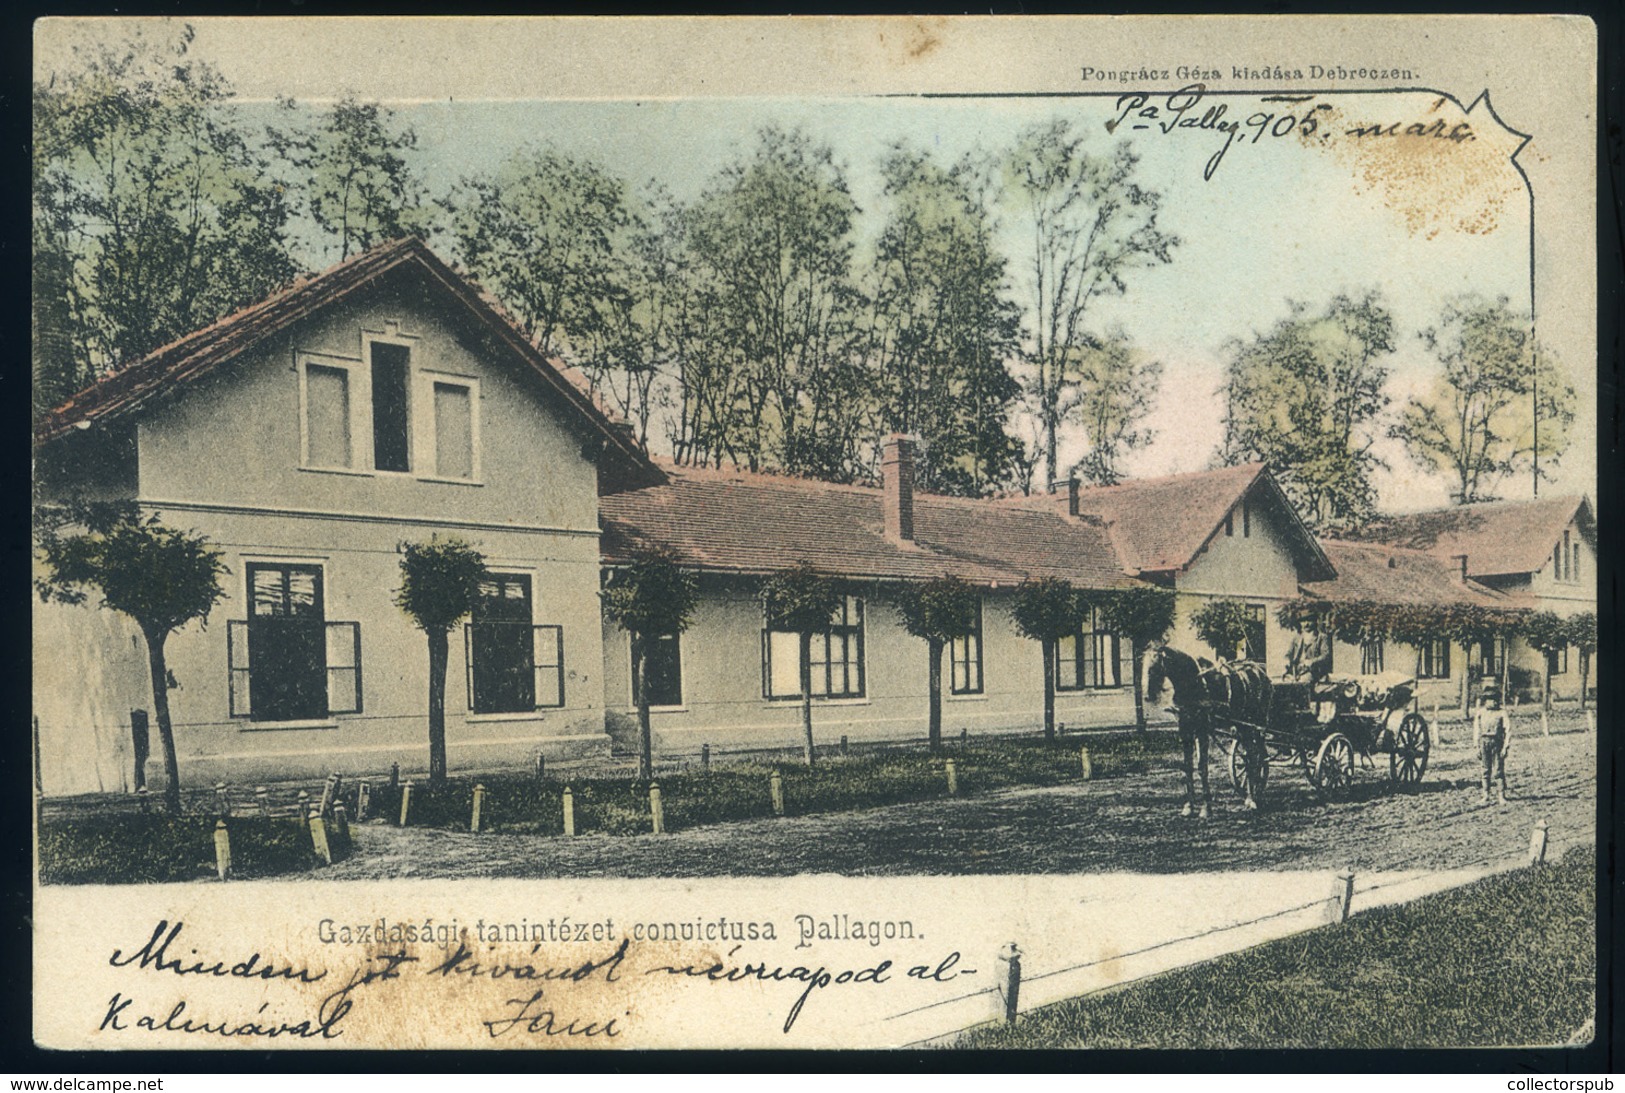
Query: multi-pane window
point(1558, 661)
point(1371, 652)
point(965, 659)
point(501, 647)
point(662, 670)
point(1256, 646)
point(286, 661)
point(391, 406)
point(1092, 658)
point(836, 656)
point(327, 416)
point(1436, 659)
point(1490, 655)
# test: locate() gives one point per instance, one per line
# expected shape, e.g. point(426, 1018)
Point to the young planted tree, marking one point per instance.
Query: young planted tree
point(1047, 610)
point(1548, 634)
point(649, 597)
point(1223, 625)
point(1479, 422)
point(802, 600)
point(161, 578)
point(1142, 616)
point(1092, 223)
point(939, 611)
point(1304, 397)
point(440, 584)
point(1583, 636)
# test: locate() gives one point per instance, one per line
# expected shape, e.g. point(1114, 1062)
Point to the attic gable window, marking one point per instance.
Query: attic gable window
point(327, 413)
point(451, 447)
point(391, 365)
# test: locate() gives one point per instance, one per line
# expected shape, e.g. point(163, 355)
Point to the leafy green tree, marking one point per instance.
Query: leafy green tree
point(1583, 636)
point(938, 610)
point(158, 576)
point(770, 373)
point(1047, 610)
point(1222, 624)
point(1142, 616)
point(1304, 397)
point(154, 212)
point(1093, 224)
point(1548, 634)
point(440, 584)
point(940, 325)
point(355, 174)
point(1479, 422)
point(1116, 388)
point(650, 596)
point(802, 600)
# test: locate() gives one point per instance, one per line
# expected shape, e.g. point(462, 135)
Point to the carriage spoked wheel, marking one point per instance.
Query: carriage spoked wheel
point(1408, 760)
point(1333, 768)
point(1248, 778)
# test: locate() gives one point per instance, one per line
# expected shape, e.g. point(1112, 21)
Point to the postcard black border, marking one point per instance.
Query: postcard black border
point(21, 1056)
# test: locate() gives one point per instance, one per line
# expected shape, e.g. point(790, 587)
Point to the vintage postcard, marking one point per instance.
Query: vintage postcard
point(814, 532)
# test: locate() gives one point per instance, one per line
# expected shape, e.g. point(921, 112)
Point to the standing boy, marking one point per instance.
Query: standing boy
point(1490, 736)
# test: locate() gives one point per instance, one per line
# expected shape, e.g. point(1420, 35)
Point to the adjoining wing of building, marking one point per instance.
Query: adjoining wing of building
point(389, 400)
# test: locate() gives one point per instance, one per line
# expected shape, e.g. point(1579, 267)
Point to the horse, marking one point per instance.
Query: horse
point(1205, 692)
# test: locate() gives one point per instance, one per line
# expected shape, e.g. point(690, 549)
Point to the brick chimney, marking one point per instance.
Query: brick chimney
point(897, 483)
point(1071, 486)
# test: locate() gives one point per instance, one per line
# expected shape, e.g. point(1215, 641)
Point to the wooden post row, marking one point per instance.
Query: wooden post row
point(953, 778)
point(569, 813)
point(1537, 843)
point(657, 811)
point(1084, 762)
point(775, 789)
point(479, 801)
point(318, 836)
point(406, 801)
point(222, 849)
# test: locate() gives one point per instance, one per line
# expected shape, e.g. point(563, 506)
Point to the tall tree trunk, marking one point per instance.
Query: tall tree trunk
point(1049, 689)
point(805, 639)
point(1546, 681)
point(1506, 672)
point(1585, 677)
point(933, 725)
point(640, 694)
point(1466, 674)
point(158, 669)
point(1139, 689)
point(437, 707)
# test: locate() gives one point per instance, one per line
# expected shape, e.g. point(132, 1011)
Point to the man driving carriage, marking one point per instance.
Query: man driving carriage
point(1310, 653)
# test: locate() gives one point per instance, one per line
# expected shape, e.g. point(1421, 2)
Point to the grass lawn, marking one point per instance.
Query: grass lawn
point(519, 803)
point(125, 849)
point(1508, 960)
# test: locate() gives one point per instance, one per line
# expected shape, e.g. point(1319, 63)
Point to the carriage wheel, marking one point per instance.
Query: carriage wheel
point(1248, 776)
point(1333, 769)
point(1408, 760)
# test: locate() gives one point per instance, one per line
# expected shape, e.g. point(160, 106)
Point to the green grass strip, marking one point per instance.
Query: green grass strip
point(1509, 960)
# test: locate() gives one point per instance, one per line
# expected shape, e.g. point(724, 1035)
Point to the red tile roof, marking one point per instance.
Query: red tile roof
point(172, 367)
point(1380, 573)
point(736, 521)
point(1498, 537)
point(1161, 524)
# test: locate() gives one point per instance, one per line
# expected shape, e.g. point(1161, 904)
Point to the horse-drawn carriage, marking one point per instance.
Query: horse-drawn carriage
point(1323, 728)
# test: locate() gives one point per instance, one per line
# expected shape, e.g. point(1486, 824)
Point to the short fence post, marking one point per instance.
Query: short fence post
point(1087, 765)
point(705, 756)
point(222, 849)
point(657, 812)
point(1009, 984)
point(330, 792)
point(304, 808)
point(964, 737)
point(406, 801)
point(775, 789)
point(569, 813)
point(1537, 843)
point(1545, 722)
point(222, 799)
point(363, 801)
point(318, 836)
point(1337, 909)
point(953, 778)
point(262, 800)
point(541, 767)
point(142, 746)
point(479, 800)
point(341, 823)
point(144, 799)
point(394, 775)
point(845, 747)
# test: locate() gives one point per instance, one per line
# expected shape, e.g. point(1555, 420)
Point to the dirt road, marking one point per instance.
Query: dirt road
point(1126, 824)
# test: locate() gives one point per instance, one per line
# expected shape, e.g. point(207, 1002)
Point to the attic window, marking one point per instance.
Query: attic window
point(391, 416)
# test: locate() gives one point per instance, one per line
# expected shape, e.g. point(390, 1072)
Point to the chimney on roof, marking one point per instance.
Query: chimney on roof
point(1071, 486)
point(897, 484)
point(1461, 566)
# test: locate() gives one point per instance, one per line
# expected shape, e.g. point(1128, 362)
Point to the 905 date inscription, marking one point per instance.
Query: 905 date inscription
point(1185, 111)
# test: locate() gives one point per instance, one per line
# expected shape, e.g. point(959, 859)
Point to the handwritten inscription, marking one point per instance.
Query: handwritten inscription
point(554, 1002)
point(1190, 110)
